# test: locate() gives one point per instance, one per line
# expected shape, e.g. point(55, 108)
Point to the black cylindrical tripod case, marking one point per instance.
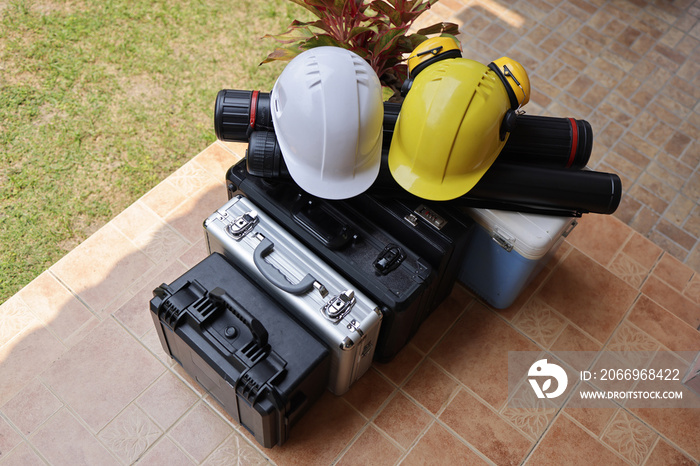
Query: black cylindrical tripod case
point(400, 281)
point(262, 366)
point(544, 141)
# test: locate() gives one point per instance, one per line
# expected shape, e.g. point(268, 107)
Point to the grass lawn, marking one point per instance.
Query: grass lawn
point(102, 99)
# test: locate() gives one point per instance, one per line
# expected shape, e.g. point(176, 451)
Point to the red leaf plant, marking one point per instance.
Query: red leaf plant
point(377, 30)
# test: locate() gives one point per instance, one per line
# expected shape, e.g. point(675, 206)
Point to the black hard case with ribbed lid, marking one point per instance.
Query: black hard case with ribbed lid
point(262, 366)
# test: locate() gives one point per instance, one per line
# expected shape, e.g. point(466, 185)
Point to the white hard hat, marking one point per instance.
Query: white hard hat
point(327, 112)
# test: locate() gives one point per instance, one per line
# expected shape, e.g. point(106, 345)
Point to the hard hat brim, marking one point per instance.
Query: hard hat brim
point(446, 190)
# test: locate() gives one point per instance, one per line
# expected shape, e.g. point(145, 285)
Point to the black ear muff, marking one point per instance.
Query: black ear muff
point(508, 123)
point(440, 56)
point(406, 86)
point(511, 95)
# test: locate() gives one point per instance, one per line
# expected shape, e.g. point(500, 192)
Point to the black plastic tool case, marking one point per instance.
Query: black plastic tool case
point(391, 274)
point(262, 366)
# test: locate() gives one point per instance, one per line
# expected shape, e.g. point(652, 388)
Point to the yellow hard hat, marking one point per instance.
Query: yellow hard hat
point(447, 133)
point(515, 79)
point(431, 50)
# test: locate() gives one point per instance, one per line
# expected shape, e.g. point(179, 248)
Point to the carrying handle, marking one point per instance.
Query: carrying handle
point(275, 276)
point(256, 327)
point(331, 231)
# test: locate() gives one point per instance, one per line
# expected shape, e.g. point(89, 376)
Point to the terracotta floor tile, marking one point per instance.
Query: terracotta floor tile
point(9, 438)
point(587, 237)
point(161, 243)
point(165, 452)
point(402, 420)
point(125, 369)
point(24, 358)
point(442, 318)
point(219, 158)
point(195, 253)
point(673, 301)
point(98, 274)
point(674, 366)
point(611, 360)
point(31, 407)
point(135, 314)
point(135, 220)
point(130, 434)
point(192, 178)
point(632, 346)
point(236, 450)
point(594, 415)
point(167, 400)
point(163, 198)
point(678, 425)
point(540, 322)
point(57, 308)
point(529, 415)
point(312, 441)
point(477, 348)
point(439, 446)
point(629, 270)
point(588, 294)
point(664, 454)
point(200, 432)
point(574, 347)
point(188, 217)
point(16, 317)
point(371, 448)
point(431, 387)
point(629, 437)
point(237, 148)
point(368, 393)
point(485, 430)
point(663, 326)
point(22, 455)
point(692, 291)
point(64, 440)
point(567, 443)
point(402, 365)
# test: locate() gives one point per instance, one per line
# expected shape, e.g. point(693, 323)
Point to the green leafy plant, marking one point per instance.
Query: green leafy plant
point(377, 30)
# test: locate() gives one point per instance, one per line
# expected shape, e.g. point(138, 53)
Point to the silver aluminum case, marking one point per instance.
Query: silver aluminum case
point(353, 339)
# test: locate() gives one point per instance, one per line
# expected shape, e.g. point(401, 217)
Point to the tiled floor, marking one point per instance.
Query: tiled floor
point(83, 379)
point(629, 67)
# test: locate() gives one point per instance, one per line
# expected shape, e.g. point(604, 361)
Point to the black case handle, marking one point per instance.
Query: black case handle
point(275, 276)
point(330, 230)
point(256, 327)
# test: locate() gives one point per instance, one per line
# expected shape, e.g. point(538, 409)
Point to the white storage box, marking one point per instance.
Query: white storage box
point(507, 250)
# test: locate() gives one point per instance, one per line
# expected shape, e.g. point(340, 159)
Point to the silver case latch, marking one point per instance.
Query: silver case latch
point(339, 306)
point(242, 225)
